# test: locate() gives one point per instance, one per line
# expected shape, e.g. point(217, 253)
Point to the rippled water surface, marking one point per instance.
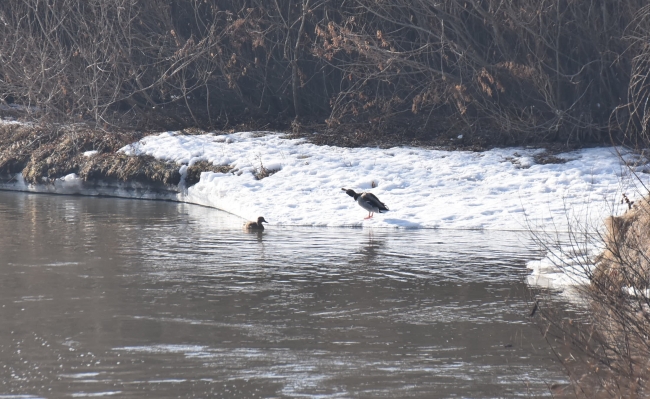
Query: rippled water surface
point(125, 298)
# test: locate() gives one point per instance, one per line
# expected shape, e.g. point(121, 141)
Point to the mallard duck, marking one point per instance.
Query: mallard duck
point(256, 225)
point(367, 201)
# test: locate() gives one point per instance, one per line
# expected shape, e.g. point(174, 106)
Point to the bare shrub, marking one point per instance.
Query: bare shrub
point(128, 62)
point(521, 71)
point(261, 172)
point(603, 343)
point(607, 351)
point(633, 117)
point(540, 70)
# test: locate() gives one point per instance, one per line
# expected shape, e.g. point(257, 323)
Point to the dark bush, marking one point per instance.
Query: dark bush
point(520, 71)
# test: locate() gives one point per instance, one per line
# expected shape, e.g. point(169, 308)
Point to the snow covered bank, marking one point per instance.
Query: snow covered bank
point(498, 189)
point(74, 185)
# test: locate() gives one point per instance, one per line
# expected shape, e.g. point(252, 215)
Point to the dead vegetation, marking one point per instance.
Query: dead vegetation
point(43, 153)
point(143, 169)
point(604, 345)
point(625, 261)
point(545, 158)
point(194, 172)
point(262, 172)
point(496, 71)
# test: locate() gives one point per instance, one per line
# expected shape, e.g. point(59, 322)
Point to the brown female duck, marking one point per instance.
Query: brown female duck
point(255, 225)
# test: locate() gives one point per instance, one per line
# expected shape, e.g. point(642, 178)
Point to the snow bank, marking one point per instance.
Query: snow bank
point(501, 189)
point(559, 271)
point(73, 185)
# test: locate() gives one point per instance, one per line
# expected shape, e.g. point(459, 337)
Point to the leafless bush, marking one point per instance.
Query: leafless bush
point(541, 69)
point(604, 344)
point(633, 117)
point(196, 62)
point(606, 349)
point(523, 70)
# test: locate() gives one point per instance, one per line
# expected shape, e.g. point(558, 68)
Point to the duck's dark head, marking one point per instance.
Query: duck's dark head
point(260, 220)
point(351, 193)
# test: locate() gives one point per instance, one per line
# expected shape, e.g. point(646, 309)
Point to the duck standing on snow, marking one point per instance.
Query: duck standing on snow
point(255, 225)
point(367, 201)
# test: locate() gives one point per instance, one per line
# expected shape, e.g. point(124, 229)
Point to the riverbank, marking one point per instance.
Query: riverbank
point(292, 181)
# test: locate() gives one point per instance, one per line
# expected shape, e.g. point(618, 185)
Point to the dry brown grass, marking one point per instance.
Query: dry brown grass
point(144, 169)
point(44, 153)
point(261, 172)
point(625, 261)
point(49, 151)
point(604, 346)
point(194, 172)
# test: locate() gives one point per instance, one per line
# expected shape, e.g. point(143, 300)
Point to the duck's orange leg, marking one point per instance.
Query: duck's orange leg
point(370, 214)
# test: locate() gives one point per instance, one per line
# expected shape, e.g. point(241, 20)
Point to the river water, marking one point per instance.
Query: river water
point(133, 299)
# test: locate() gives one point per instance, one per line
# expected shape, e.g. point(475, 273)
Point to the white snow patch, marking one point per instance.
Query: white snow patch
point(10, 122)
point(501, 189)
point(557, 274)
point(636, 292)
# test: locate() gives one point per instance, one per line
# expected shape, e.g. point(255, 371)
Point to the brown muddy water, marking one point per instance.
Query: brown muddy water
point(134, 299)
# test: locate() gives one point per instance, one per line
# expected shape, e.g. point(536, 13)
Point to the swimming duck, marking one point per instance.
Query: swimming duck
point(367, 201)
point(256, 225)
